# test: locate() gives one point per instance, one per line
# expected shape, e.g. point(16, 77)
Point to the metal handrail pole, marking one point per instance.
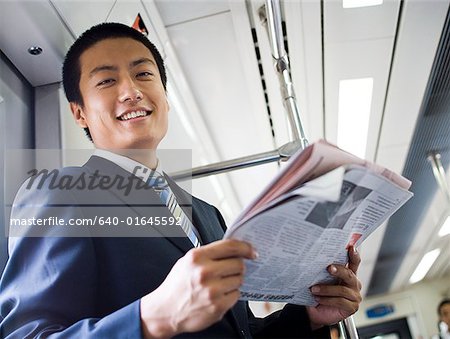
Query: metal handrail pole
point(272, 22)
point(351, 327)
point(283, 153)
point(439, 173)
point(342, 330)
point(225, 166)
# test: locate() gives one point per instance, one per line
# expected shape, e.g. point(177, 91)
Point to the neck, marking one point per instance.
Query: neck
point(146, 157)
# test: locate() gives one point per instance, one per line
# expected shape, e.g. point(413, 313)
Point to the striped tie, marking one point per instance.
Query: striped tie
point(160, 185)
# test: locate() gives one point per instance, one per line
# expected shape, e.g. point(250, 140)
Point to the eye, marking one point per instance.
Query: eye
point(144, 74)
point(105, 82)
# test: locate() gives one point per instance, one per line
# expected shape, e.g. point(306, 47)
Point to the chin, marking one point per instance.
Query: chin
point(143, 144)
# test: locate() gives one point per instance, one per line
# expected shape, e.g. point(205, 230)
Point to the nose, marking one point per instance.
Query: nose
point(129, 91)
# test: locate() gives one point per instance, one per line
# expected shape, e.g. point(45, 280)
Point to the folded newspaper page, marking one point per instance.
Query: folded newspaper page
point(323, 201)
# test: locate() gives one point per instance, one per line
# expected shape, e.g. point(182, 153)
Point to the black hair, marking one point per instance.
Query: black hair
point(442, 303)
point(71, 71)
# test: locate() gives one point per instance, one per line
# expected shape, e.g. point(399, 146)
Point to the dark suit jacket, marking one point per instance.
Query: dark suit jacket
point(83, 285)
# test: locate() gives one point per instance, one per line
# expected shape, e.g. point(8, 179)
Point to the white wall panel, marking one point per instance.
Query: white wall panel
point(218, 84)
point(279, 117)
point(46, 111)
point(207, 52)
point(178, 11)
point(361, 23)
point(304, 32)
point(419, 35)
point(79, 15)
point(126, 12)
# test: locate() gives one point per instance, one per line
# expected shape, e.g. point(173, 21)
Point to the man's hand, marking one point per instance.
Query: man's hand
point(337, 302)
point(201, 287)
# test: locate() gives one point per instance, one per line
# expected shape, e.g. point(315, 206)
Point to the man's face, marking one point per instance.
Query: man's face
point(125, 103)
point(445, 314)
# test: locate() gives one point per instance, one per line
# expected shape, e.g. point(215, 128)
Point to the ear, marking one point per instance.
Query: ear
point(167, 102)
point(168, 105)
point(78, 114)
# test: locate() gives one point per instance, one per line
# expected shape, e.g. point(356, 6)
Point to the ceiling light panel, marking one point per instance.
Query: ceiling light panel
point(355, 100)
point(360, 3)
point(358, 44)
point(445, 229)
point(356, 60)
point(424, 266)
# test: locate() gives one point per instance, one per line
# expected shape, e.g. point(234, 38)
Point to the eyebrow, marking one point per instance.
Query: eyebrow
point(141, 61)
point(102, 68)
point(114, 68)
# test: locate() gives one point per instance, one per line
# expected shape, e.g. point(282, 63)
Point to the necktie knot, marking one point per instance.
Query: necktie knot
point(157, 181)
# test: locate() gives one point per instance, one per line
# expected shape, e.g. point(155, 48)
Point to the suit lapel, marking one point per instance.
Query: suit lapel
point(137, 199)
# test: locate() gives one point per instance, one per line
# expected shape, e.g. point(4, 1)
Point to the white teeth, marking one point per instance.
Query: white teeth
point(133, 115)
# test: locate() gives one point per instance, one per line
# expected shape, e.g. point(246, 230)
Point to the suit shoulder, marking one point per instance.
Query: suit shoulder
point(51, 183)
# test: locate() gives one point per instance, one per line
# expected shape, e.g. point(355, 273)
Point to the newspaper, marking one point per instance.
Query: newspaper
point(322, 202)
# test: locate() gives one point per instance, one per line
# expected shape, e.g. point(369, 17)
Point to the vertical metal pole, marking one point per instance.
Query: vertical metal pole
point(272, 22)
point(342, 330)
point(351, 327)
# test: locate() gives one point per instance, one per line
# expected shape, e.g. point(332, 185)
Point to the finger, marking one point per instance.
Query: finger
point(228, 267)
point(207, 271)
point(353, 259)
point(228, 248)
point(346, 275)
point(336, 291)
point(228, 300)
point(221, 268)
point(344, 305)
point(220, 287)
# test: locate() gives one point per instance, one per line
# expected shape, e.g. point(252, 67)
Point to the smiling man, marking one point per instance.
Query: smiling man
point(113, 83)
point(185, 283)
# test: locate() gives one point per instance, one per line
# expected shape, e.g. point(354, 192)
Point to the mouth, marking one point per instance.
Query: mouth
point(134, 115)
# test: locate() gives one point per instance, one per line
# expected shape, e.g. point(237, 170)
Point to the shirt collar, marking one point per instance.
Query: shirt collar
point(128, 164)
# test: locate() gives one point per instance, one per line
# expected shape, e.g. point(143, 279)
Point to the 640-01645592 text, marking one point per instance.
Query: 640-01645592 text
point(101, 221)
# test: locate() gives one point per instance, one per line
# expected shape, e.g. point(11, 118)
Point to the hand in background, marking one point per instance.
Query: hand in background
point(337, 302)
